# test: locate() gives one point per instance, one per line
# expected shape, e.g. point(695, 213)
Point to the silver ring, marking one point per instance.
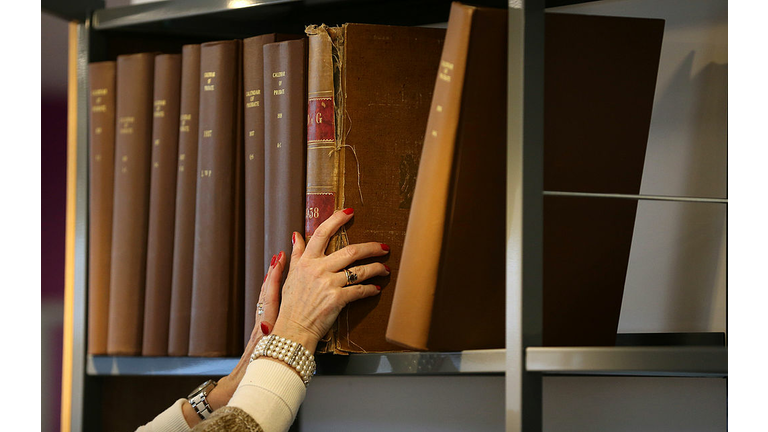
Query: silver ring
point(260, 309)
point(351, 277)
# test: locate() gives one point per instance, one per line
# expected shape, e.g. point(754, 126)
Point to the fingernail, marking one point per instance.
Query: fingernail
point(348, 211)
point(264, 328)
point(293, 238)
point(265, 277)
point(385, 247)
point(378, 287)
point(272, 263)
point(387, 268)
point(280, 257)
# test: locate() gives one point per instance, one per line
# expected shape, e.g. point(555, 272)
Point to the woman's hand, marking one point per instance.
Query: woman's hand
point(315, 288)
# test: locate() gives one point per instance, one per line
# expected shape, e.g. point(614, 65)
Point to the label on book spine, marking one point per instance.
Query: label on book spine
point(320, 137)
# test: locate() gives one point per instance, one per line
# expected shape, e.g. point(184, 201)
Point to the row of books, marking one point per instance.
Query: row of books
point(204, 163)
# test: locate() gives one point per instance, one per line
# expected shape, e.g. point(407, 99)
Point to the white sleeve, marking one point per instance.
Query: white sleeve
point(170, 420)
point(270, 392)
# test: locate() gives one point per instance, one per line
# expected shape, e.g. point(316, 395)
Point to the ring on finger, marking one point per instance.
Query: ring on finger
point(351, 277)
point(260, 309)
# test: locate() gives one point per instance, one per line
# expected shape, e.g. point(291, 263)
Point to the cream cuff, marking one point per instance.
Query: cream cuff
point(170, 420)
point(270, 392)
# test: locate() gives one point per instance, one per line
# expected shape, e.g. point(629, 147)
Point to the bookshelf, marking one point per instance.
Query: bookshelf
point(523, 363)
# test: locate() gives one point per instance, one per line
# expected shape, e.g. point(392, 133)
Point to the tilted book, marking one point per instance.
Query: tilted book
point(133, 151)
point(370, 87)
point(101, 133)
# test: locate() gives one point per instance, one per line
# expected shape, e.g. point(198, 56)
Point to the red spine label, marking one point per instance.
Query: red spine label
point(321, 132)
point(320, 206)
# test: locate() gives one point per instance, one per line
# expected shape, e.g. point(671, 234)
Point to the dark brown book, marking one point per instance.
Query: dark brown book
point(216, 325)
point(101, 134)
point(599, 84)
point(162, 203)
point(285, 108)
point(186, 185)
point(453, 262)
point(253, 144)
point(366, 123)
point(133, 148)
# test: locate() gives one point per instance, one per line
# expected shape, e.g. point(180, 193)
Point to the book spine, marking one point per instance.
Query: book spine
point(253, 144)
point(284, 143)
point(216, 260)
point(162, 197)
point(412, 304)
point(101, 131)
point(186, 184)
point(133, 141)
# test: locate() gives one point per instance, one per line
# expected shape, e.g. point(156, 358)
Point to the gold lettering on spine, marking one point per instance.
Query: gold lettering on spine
point(159, 107)
point(278, 92)
point(279, 115)
point(208, 76)
point(251, 98)
point(184, 127)
point(126, 125)
point(278, 74)
point(207, 133)
point(206, 173)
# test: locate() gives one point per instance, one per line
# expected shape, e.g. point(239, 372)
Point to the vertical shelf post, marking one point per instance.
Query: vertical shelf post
point(524, 233)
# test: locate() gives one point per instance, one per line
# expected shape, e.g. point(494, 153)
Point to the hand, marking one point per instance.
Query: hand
point(269, 297)
point(315, 288)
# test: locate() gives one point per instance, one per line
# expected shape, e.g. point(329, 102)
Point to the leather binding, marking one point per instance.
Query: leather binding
point(162, 200)
point(253, 144)
point(452, 266)
point(186, 185)
point(365, 155)
point(599, 84)
point(101, 130)
point(285, 75)
point(133, 146)
point(216, 312)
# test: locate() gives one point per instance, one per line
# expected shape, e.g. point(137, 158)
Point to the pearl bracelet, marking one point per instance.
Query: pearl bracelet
point(292, 353)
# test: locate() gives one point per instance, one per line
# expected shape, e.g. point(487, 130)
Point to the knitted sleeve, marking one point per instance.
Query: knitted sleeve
point(228, 419)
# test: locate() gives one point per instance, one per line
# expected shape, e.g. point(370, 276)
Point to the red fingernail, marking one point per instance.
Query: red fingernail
point(280, 256)
point(348, 211)
point(387, 267)
point(272, 263)
point(293, 238)
point(378, 287)
point(264, 328)
point(265, 277)
point(385, 247)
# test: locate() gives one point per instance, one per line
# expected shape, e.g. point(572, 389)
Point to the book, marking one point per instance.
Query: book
point(253, 145)
point(453, 259)
point(368, 103)
point(186, 185)
point(285, 74)
point(216, 322)
point(133, 142)
point(101, 134)
point(162, 200)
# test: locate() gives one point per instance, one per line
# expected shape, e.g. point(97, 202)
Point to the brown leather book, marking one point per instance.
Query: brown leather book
point(101, 133)
point(371, 86)
point(133, 150)
point(216, 319)
point(451, 285)
point(285, 88)
point(253, 144)
point(162, 200)
point(186, 184)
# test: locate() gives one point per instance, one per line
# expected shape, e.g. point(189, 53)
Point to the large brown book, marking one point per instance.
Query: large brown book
point(253, 145)
point(101, 134)
point(453, 255)
point(369, 95)
point(216, 313)
point(285, 108)
point(133, 148)
point(186, 185)
point(162, 200)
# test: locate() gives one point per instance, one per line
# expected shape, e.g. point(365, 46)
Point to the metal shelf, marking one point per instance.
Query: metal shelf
point(686, 361)
point(705, 200)
point(410, 363)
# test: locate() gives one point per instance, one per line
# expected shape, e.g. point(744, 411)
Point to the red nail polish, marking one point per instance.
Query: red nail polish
point(280, 256)
point(272, 263)
point(378, 287)
point(387, 268)
point(293, 238)
point(264, 328)
point(348, 211)
point(265, 277)
point(385, 247)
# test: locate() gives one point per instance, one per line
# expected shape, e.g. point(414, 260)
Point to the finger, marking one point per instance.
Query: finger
point(363, 272)
point(271, 292)
point(319, 241)
point(347, 255)
point(298, 246)
point(357, 292)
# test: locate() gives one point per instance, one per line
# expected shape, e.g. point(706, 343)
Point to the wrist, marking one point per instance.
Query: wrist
point(297, 334)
